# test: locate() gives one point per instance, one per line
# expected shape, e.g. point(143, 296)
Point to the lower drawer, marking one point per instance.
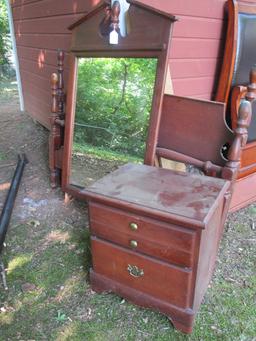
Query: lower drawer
point(156, 278)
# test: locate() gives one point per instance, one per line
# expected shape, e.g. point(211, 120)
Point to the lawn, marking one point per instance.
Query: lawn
point(49, 296)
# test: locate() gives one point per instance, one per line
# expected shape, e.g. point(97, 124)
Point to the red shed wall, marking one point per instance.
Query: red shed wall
point(41, 28)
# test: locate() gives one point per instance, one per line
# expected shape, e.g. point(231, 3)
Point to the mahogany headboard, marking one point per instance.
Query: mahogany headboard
point(194, 127)
point(240, 52)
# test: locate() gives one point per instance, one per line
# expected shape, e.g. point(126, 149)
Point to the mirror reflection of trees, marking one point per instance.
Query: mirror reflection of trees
point(114, 98)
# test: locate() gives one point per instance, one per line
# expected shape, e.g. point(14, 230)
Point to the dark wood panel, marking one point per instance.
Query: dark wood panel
point(198, 119)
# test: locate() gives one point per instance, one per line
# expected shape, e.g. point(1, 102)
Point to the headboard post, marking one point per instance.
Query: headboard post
point(61, 95)
point(251, 88)
point(241, 134)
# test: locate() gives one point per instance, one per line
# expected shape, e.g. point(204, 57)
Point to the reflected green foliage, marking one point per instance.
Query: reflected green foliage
point(4, 30)
point(114, 97)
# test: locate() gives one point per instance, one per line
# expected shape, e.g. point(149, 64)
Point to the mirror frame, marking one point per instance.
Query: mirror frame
point(150, 37)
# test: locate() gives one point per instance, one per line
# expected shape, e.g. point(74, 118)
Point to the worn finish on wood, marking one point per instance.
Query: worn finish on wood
point(163, 262)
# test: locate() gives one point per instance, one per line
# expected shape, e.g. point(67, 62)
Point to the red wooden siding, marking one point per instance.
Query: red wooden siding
point(41, 28)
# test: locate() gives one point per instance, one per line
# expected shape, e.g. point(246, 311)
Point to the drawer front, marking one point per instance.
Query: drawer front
point(163, 241)
point(142, 273)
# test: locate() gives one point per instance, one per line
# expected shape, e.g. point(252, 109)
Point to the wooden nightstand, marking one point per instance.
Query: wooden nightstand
point(155, 236)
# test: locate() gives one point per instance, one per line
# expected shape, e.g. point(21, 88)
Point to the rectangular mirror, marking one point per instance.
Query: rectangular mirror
point(112, 113)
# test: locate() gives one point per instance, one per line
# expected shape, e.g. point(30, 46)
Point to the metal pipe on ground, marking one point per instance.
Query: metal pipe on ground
point(8, 207)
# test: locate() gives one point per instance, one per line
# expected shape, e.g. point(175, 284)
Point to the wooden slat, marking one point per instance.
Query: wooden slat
point(42, 98)
point(16, 3)
point(51, 25)
point(41, 56)
point(187, 68)
point(198, 8)
point(44, 71)
point(48, 8)
point(194, 27)
point(40, 80)
point(44, 41)
point(193, 86)
point(34, 79)
point(195, 48)
point(43, 94)
point(40, 109)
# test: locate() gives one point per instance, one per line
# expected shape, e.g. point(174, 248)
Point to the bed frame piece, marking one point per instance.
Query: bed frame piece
point(238, 82)
point(191, 148)
point(57, 122)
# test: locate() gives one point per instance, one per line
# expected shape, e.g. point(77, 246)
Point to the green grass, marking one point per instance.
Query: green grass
point(3, 156)
point(61, 305)
point(102, 153)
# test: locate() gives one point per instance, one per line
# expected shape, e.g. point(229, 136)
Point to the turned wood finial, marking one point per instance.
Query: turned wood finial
point(61, 95)
point(111, 20)
point(241, 135)
point(251, 88)
point(105, 23)
point(54, 87)
point(115, 12)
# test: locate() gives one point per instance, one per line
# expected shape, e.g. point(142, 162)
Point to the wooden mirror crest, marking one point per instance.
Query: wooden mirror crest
point(134, 38)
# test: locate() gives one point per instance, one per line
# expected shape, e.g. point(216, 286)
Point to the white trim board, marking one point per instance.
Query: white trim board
point(15, 54)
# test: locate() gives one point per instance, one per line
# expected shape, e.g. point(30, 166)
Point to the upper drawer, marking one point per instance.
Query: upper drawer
point(158, 239)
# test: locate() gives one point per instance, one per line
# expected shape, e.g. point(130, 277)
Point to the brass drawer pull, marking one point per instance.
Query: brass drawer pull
point(134, 271)
point(133, 244)
point(134, 226)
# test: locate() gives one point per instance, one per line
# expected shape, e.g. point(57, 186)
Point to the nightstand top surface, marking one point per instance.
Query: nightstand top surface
point(176, 193)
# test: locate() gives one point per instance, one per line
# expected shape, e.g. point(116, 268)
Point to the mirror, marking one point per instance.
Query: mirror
point(113, 106)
